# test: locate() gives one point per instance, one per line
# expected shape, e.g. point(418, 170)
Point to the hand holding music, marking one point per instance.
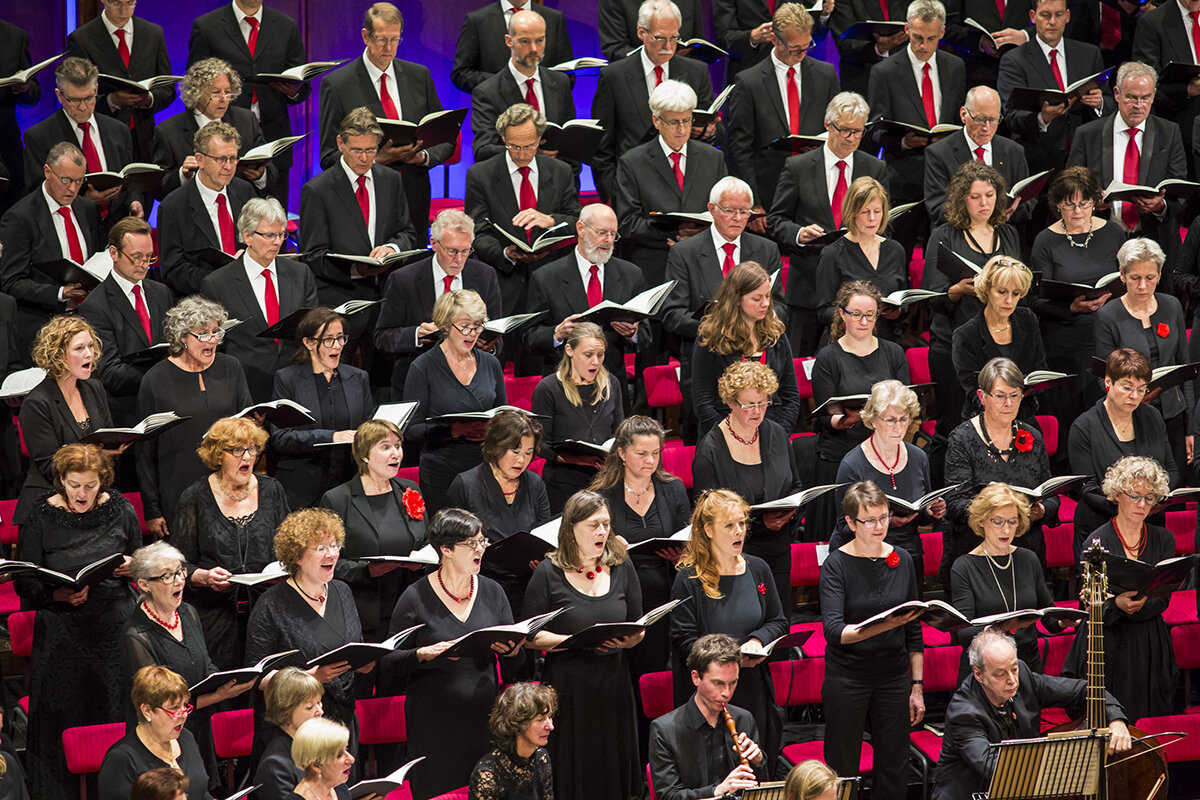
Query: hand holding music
point(1126, 602)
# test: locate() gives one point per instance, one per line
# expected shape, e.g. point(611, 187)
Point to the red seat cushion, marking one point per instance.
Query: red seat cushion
point(381, 720)
point(795, 753)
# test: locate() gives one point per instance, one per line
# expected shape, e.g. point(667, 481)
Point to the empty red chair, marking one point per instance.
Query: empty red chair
point(941, 668)
point(537, 465)
point(380, 721)
point(798, 681)
point(1181, 609)
point(1054, 651)
point(802, 751)
point(657, 693)
point(9, 601)
point(931, 544)
point(20, 631)
point(403, 793)
point(1183, 525)
point(918, 364)
point(520, 390)
point(85, 747)
point(1179, 750)
point(1060, 550)
point(662, 385)
point(8, 531)
point(932, 637)
point(678, 462)
point(1185, 640)
point(805, 569)
point(233, 737)
point(631, 365)
point(1049, 426)
point(135, 500)
point(814, 646)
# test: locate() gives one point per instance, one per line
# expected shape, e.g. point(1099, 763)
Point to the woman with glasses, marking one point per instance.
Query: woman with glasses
point(1139, 662)
point(339, 398)
point(452, 378)
point(450, 602)
point(196, 382)
point(900, 469)
point(1120, 425)
point(384, 515)
point(751, 455)
point(741, 325)
point(75, 676)
point(224, 527)
point(161, 738)
point(581, 401)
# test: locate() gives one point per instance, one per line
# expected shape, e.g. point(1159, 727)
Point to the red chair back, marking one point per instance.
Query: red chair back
point(410, 474)
point(918, 364)
point(678, 462)
point(1060, 550)
point(457, 794)
point(135, 500)
point(941, 668)
point(8, 531)
point(233, 733)
point(1183, 525)
point(805, 569)
point(20, 631)
point(802, 381)
point(1049, 426)
point(1178, 750)
point(1185, 641)
point(381, 720)
point(1054, 653)
point(798, 682)
point(520, 390)
point(662, 386)
point(931, 544)
point(657, 693)
point(85, 747)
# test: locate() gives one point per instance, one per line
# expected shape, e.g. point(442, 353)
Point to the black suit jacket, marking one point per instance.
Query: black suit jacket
point(14, 56)
point(981, 68)
point(622, 104)
point(492, 203)
point(856, 57)
point(147, 59)
point(758, 116)
point(733, 20)
point(617, 24)
point(942, 160)
point(645, 183)
point(260, 357)
point(494, 95)
point(185, 229)
point(1160, 38)
point(174, 141)
point(481, 51)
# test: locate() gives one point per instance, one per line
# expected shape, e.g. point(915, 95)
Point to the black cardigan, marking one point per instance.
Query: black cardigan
point(1116, 327)
point(670, 501)
point(714, 467)
point(974, 346)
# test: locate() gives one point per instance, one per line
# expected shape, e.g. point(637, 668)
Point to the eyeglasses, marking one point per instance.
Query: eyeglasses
point(877, 522)
point(121, 3)
point(170, 577)
point(478, 543)
point(454, 253)
point(381, 41)
point(522, 148)
point(1139, 499)
point(869, 316)
point(1005, 397)
point(140, 259)
point(468, 330)
point(324, 549)
point(686, 122)
point(224, 161)
point(659, 39)
point(848, 133)
point(616, 237)
point(76, 101)
point(179, 713)
point(68, 181)
point(1004, 523)
point(736, 213)
point(1080, 206)
point(1129, 388)
point(984, 120)
point(754, 406)
point(215, 336)
point(220, 94)
point(240, 452)
point(364, 152)
point(333, 341)
point(1137, 99)
point(893, 421)
point(800, 50)
point(270, 237)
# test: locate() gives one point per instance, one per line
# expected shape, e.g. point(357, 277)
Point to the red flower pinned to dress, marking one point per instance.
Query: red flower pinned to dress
point(893, 559)
point(762, 589)
point(1163, 330)
point(1023, 441)
point(414, 504)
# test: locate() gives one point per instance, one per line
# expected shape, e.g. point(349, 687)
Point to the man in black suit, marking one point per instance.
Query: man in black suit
point(129, 47)
point(917, 85)
point(196, 230)
point(405, 326)
point(857, 55)
point(481, 51)
point(14, 56)
point(761, 108)
point(1105, 147)
point(227, 33)
point(571, 285)
point(48, 225)
point(623, 90)
point(127, 310)
point(1110, 26)
point(978, 141)
point(1050, 61)
point(410, 95)
point(1162, 37)
point(105, 142)
point(801, 214)
point(521, 80)
point(209, 89)
point(523, 194)
point(1008, 28)
point(260, 290)
point(743, 27)
point(617, 24)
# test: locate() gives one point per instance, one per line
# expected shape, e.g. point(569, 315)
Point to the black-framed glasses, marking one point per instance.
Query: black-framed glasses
point(224, 161)
point(869, 316)
point(241, 452)
point(876, 522)
point(468, 330)
point(171, 577)
point(76, 101)
point(478, 543)
point(996, 522)
point(333, 341)
point(800, 50)
point(1138, 499)
point(848, 133)
point(270, 237)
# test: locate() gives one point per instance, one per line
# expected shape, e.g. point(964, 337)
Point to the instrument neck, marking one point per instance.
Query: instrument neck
point(1097, 581)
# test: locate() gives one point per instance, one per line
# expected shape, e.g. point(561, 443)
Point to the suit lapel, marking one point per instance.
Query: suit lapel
point(771, 89)
point(572, 286)
point(358, 499)
point(820, 187)
point(1040, 67)
point(244, 292)
point(1177, 37)
point(1146, 165)
point(1106, 144)
point(200, 215)
point(948, 108)
point(366, 88)
point(117, 300)
point(710, 266)
point(385, 209)
point(107, 48)
point(659, 162)
point(232, 28)
point(909, 87)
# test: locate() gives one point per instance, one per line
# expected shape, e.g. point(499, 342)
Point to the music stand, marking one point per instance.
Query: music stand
point(1033, 769)
point(847, 789)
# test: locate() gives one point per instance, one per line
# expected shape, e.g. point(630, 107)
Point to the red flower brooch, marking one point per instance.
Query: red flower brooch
point(1163, 330)
point(893, 559)
point(762, 589)
point(414, 504)
point(1023, 441)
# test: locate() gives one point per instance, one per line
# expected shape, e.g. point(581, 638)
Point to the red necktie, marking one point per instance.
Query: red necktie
point(270, 298)
point(531, 96)
point(72, 236)
point(364, 201)
point(139, 307)
point(927, 96)
point(728, 264)
point(793, 98)
point(122, 47)
point(1195, 15)
point(92, 158)
point(883, 7)
point(979, 155)
point(225, 223)
point(1110, 27)
point(385, 99)
point(1000, 8)
point(839, 194)
point(594, 293)
point(527, 199)
point(447, 284)
point(771, 6)
point(678, 170)
point(1133, 159)
point(251, 43)
point(658, 77)
point(1058, 78)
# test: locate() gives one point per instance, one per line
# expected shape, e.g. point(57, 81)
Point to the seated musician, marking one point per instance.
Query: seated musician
point(1003, 700)
point(691, 753)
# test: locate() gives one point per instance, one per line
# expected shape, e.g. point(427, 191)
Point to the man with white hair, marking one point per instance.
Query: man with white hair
point(1165, 34)
point(481, 51)
point(617, 23)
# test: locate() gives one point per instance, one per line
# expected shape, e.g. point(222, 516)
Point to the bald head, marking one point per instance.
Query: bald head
point(597, 231)
point(526, 40)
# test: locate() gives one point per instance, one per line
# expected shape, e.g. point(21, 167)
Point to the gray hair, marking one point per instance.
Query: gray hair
point(926, 11)
point(1000, 369)
point(729, 185)
point(258, 209)
point(151, 561)
point(1125, 472)
point(976, 93)
point(650, 9)
point(190, 312)
point(451, 219)
point(844, 103)
point(519, 114)
point(1135, 251)
point(1134, 69)
point(65, 150)
point(672, 96)
point(201, 75)
point(985, 639)
point(75, 71)
point(890, 394)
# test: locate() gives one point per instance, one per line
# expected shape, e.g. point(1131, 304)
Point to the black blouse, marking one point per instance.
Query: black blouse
point(978, 588)
point(709, 366)
point(845, 261)
point(549, 590)
point(147, 643)
point(838, 373)
point(432, 385)
point(949, 315)
point(911, 483)
point(974, 346)
point(1057, 260)
point(129, 758)
point(507, 776)
point(478, 492)
point(748, 608)
point(276, 772)
point(854, 589)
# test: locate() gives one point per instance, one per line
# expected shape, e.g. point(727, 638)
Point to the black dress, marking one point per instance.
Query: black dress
point(167, 464)
point(585, 423)
point(129, 758)
point(708, 367)
point(207, 538)
point(747, 609)
point(276, 772)
point(594, 745)
point(912, 482)
point(507, 776)
point(75, 674)
point(340, 792)
point(450, 742)
point(12, 783)
point(974, 346)
point(844, 261)
point(432, 385)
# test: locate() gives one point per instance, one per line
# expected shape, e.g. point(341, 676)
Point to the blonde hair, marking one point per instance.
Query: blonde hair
point(1127, 471)
point(317, 742)
point(287, 690)
point(741, 375)
point(450, 304)
point(888, 394)
point(991, 499)
point(50, 346)
point(862, 191)
point(1003, 271)
point(583, 330)
point(808, 780)
point(697, 551)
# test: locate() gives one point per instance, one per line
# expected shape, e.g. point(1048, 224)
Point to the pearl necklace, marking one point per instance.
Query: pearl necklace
point(996, 577)
point(1071, 241)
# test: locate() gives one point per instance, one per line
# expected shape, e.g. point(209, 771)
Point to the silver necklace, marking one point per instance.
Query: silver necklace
point(1071, 238)
point(996, 578)
point(635, 492)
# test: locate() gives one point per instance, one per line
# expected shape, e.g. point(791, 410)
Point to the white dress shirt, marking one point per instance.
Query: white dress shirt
point(1060, 58)
point(832, 172)
point(374, 72)
point(648, 70)
point(667, 151)
point(258, 283)
point(112, 32)
point(60, 227)
point(352, 176)
point(1120, 142)
point(918, 68)
point(782, 79)
point(585, 271)
point(1187, 32)
point(127, 290)
point(209, 198)
point(521, 81)
point(973, 146)
point(515, 176)
point(719, 243)
point(240, 16)
point(94, 135)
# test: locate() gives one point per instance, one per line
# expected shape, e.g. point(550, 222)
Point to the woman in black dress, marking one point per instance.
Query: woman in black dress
point(450, 602)
point(194, 381)
point(519, 766)
point(855, 360)
point(864, 254)
point(729, 593)
point(160, 739)
point(75, 671)
point(742, 326)
point(897, 467)
point(452, 378)
point(1151, 322)
point(339, 398)
point(595, 752)
point(1139, 663)
point(321, 750)
point(580, 401)
point(750, 455)
point(874, 676)
point(384, 515)
point(224, 526)
point(293, 698)
point(505, 494)
point(1122, 424)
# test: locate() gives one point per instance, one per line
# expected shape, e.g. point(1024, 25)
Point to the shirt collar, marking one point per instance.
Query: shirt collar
point(521, 79)
point(831, 157)
point(240, 15)
point(351, 175)
point(1047, 48)
point(584, 264)
point(439, 274)
point(1183, 9)
point(1119, 125)
point(91, 121)
point(112, 29)
point(694, 717)
point(512, 166)
point(780, 67)
point(374, 72)
point(720, 241)
point(973, 146)
point(918, 63)
point(505, 6)
point(51, 203)
point(207, 195)
point(202, 119)
point(648, 66)
point(254, 269)
point(125, 285)
point(667, 150)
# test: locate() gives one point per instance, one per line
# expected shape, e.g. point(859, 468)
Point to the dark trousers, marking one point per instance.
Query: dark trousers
point(805, 332)
point(857, 702)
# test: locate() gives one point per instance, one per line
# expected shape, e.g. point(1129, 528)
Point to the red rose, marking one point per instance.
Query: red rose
point(1023, 441)
point(762, 589)
point(414, 504)
point(1163, 330)
point(893, 559)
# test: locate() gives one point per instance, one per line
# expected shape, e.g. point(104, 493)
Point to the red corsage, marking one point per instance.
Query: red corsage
point(414, 504)
point(762, 589)
point(893, 559)
point(1023, 441)
point(1163, 330)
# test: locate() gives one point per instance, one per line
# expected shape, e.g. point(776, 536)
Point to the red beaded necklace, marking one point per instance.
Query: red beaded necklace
point(890, 469)
point(450, 594)
point(733, 433)
point(168, 625)
point(591, 575)
point(1137, 554)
